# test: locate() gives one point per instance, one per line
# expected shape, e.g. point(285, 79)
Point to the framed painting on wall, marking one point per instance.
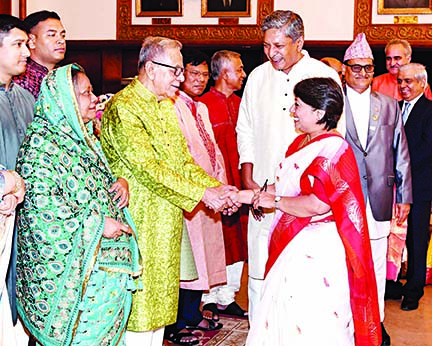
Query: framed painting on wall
point(404, 6)
point(159, 8)
point(234, 34)
point(382, 33)
point(225, 8)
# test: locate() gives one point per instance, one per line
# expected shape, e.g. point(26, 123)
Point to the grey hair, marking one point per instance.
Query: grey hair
point(419, 71)
point(220, 60)
point(404, 43)
point(290, 21)
point(153, 47)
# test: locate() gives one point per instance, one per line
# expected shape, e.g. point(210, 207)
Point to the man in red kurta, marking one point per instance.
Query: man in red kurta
point(223, 106)
point(398, 53)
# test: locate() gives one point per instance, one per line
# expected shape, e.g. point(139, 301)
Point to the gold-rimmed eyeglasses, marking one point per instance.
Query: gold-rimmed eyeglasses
point(178, 70)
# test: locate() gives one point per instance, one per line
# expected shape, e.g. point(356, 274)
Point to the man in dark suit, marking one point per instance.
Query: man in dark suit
point(412, 80)
point(374, 129)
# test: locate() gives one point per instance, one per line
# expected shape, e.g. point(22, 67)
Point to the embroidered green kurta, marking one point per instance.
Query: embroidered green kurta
point(143, 143)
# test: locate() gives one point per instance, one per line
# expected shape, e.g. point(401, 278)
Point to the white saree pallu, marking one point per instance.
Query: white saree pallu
point(7, 334)
point(309, 276)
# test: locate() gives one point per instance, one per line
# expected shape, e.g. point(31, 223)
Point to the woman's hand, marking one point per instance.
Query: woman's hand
point(114, 229)
point(8, 205)
point(14, 185)
point(121, 187)
point(19, 188)
point(263, 199)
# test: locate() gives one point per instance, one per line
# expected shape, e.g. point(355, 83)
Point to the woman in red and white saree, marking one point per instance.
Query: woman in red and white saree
point(320, 286)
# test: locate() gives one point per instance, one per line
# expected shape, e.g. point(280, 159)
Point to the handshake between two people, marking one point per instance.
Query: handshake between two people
point(227, 199)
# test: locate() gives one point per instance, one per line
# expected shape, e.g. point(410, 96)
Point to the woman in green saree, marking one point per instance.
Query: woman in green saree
point(76, 252)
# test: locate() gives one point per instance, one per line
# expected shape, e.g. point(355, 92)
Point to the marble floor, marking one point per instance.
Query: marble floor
point(406, 328)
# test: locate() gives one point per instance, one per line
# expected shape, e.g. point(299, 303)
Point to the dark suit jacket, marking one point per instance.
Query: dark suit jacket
point(218, 6)
point(418, 130)
point(385, 160)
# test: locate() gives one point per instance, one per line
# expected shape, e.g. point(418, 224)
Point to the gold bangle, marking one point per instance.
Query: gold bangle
point(18, 183)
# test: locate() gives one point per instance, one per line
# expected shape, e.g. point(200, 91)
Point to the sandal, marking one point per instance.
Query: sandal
point(212, 325)
point(211, 307)
point(233, 309)
point(176, 338)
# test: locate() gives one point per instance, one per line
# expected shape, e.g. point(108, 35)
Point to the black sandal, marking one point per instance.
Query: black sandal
point(212, 325)
point(233, 309)
point(176, 338)
point(212, 307)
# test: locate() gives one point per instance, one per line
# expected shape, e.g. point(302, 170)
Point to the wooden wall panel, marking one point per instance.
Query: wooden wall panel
point(6, 6)
point(107, 62)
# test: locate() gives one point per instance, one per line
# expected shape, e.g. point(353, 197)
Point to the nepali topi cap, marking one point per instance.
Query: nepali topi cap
point(359, 49)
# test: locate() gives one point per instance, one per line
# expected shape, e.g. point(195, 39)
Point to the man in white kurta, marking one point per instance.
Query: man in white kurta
point(265, 127)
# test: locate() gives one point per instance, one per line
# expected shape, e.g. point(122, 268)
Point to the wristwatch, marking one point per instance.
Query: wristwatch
point(276, 200)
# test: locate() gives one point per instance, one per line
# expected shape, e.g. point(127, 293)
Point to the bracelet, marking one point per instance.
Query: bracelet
point(18, 183)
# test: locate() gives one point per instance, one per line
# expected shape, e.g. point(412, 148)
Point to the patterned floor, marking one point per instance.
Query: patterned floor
point(233, 333)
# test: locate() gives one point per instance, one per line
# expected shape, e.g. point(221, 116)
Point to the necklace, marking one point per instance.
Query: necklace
point(305, 141)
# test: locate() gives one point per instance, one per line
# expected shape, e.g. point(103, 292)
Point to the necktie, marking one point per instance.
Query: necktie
point(405, 111)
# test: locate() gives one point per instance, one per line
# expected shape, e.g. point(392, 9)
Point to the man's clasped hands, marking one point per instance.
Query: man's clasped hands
point(227, 199)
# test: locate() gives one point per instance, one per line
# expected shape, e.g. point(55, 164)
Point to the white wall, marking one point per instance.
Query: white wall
point(96, 19)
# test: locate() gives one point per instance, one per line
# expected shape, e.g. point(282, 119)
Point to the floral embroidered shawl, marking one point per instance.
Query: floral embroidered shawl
point(61, 224)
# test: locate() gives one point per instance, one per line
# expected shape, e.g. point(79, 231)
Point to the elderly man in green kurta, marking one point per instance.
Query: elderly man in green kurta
point(143, 143)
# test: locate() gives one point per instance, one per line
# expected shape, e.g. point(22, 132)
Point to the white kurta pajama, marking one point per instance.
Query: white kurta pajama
point(264, 131)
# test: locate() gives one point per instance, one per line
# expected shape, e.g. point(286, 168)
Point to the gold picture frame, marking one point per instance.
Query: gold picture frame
point(225, 8)
point(382, 33)
point(247, 34)
point(159, 8)
point(404, 6)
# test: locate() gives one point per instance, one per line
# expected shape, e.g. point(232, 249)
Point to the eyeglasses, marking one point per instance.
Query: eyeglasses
point(196, 74)
point(357, 68)
point(178, 70)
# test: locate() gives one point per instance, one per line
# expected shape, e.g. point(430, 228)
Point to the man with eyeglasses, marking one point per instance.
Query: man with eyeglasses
point(143, 142)
point(417, 117)
point(202, 228)
point(375, 132)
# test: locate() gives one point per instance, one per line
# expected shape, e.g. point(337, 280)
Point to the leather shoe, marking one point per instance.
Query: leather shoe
point(393, 290)
point(385, 337)
point(409, 304)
